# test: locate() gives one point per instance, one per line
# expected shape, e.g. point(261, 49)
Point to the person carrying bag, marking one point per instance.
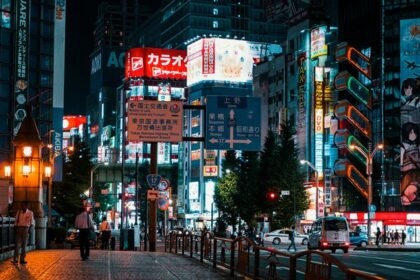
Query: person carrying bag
point(84, 224)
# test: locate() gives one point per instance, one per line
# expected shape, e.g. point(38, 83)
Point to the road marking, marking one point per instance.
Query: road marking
point(397, 267)
point(387, 259)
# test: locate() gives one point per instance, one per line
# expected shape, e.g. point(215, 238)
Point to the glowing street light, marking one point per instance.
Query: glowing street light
point(369, 170)
point(302, 162)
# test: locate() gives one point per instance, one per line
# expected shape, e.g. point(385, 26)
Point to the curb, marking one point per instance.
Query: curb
point(387, 249)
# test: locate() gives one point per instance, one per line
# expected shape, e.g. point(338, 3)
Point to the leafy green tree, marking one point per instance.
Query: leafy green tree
point(230, 162)
point(269, 175)
point(224, 196)
point(248, 187)
point(290, 179)
point(68, 195)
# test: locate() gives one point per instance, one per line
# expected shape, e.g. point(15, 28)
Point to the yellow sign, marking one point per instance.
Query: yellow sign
point(154, 121)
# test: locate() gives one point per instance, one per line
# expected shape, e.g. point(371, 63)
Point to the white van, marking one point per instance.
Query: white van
point(329, 233)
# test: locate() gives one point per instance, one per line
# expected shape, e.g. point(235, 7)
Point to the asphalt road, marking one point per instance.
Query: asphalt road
point(387, 264)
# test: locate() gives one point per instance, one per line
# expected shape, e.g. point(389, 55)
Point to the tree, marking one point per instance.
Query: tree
point(248, 187)
point(230, 163)
point(289, 179)
point(69, 194)
point(224, 196)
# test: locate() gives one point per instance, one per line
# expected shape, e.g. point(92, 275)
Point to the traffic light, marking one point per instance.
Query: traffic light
point(272, 196)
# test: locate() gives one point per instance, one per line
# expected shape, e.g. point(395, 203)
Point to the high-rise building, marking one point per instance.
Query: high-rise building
point(187, 20)
point(114, 24)
point(28, 58)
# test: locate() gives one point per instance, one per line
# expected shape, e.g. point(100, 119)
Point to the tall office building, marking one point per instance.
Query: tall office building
point(28, 57)
point(185, 20)
point(115, 22)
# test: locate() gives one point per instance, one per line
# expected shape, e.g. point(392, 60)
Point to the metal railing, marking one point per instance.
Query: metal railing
point(7, 236)
point(242, 257)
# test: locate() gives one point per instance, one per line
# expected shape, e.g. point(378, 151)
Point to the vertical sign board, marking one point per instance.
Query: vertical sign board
point(301, 88)
point(21, 61)
point(319, 119)
point(58, 82)
point(410, 110)
point(154, 121)
point(233, 123)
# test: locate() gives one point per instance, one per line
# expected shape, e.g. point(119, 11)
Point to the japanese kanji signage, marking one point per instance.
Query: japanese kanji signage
point(233, 123)
point(21, 60)
point(156, 63)
point(154, 121)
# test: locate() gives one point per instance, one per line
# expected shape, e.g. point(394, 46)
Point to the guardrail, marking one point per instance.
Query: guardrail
point(242, 257)
point(7, 236)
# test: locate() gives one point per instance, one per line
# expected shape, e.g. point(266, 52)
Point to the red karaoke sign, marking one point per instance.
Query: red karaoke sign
point(156, 63)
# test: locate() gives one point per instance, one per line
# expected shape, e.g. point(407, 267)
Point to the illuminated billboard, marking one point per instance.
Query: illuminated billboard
point(358, 60)
point(318, 46)
point(155, 63)
point(319, 120)
point(70, 122)
point(217, 59)
point(410, 110)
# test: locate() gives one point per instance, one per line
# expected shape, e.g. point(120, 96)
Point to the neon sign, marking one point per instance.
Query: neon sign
point(354, 57)
point(344, 110)
point(344, 168)
point(344, 81)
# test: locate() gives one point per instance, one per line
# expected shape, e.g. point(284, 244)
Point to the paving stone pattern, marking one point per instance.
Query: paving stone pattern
point(107, 265)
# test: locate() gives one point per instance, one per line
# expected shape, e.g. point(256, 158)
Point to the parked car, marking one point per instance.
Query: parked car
point(73, 238)
point(282, 236)
point(358, 239)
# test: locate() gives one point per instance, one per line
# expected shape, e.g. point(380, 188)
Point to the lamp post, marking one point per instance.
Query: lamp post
point(304, 161)
point(92, 170)
point(369, 170)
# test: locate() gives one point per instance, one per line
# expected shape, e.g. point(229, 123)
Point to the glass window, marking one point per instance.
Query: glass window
point(215, 11)
point(335, 225)
point(215, 24)
point(5, 13)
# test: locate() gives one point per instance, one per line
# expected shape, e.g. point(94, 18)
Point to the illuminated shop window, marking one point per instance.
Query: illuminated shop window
point(5, 6)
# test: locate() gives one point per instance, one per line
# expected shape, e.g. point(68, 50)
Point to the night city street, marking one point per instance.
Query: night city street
point(173, 139)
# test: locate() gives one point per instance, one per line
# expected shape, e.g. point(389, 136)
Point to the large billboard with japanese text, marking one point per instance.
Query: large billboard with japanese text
point(227, 60)
point(410, 110)
point(155, 63)
point(21, 72)
point(318, 46)
point(154, 121)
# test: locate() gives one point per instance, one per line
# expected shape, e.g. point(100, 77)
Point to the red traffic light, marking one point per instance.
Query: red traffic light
point(272, 196)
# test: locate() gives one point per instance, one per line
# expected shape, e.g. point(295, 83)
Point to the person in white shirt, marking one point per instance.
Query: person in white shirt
point(105, 230)
point(24, 222)
point(84, 224)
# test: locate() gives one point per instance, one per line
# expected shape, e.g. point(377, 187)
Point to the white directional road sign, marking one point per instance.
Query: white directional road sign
point(233, 123)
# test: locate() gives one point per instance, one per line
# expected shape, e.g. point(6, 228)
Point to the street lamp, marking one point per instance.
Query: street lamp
point(369, 170)
point(304, 161)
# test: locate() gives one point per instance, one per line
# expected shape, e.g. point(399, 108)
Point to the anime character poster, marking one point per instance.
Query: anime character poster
point(410, 110)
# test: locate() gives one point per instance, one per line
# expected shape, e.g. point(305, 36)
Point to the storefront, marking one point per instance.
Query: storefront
point(388, 221)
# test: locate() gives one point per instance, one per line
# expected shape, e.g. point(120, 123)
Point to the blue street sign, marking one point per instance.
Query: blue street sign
point(233, 123)
point(153, 180)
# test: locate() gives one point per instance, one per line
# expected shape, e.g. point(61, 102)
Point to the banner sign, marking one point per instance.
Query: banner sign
point(21, 61)
point(410, 110)
point(154, 121)
point(318, 46)
point(156, 63)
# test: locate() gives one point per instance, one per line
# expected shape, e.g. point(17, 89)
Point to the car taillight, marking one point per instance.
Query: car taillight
point(347, 244)
point(324, 243)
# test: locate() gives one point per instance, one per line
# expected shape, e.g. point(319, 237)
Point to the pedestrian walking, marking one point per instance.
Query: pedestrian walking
point(403, 237)
point(392, 236)
point(24, 222)
point(388, 236)
point(105, 230)
point(378, 236)
point(84, 224)
point(292, 239)
point(396, 237)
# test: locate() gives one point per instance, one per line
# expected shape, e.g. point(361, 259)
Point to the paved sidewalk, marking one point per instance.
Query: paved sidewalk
point(409, 247)
point(107, 265)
